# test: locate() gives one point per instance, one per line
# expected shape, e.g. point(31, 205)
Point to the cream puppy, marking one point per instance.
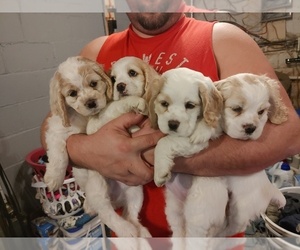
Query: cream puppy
point(131, 75)
point(187, 103)
point(104, 195)
point(79, 89)
point(249, 101)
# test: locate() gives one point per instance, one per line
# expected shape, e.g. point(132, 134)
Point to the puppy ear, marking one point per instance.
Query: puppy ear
point(150, 96)
point(212, 102)
point(278, 112)
point(57, 100)
point(105, 76)
point(150, 76)
point(99, 69)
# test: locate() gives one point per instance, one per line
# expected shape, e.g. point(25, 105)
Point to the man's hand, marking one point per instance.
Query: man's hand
point(114, 152)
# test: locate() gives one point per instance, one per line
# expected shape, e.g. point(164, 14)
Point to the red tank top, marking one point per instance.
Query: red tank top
point(186, 44)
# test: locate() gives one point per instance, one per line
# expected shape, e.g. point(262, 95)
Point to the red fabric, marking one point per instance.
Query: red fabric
point(187, 44)
point(238, 235)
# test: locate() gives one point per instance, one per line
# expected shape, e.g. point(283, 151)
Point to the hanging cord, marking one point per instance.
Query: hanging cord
point(13, 202)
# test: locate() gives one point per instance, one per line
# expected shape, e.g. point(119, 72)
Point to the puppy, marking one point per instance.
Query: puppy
point(249, 101)
point(79, 89)
point(188, 103)
point(131, 77)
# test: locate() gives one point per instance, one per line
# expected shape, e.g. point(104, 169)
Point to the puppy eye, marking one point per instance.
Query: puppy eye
point(164, 104)
point(261, 112)
point(113, 79)
point(132, 73)
point(73, 93)
point(189, 105)
point(237, 109)
point(93, 84)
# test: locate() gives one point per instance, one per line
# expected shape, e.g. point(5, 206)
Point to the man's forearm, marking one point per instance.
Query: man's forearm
point(227, 156)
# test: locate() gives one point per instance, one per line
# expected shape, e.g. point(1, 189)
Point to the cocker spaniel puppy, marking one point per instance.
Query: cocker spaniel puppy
point(79, 89)
point(249, 101)
point(217, 206)
point(185, 104)
point(131, 77)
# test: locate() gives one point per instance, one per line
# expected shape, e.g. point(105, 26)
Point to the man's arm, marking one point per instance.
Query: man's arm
point(236, 52)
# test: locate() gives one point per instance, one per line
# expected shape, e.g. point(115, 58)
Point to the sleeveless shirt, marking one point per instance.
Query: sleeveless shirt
point(188, 44)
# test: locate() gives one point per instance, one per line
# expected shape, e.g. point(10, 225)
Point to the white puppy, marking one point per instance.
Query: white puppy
point(249, 100)
point(79, 88)
point(104, 195)
point(188, 103)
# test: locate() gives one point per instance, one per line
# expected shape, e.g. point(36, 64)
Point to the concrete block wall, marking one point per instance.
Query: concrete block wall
point(31, 47)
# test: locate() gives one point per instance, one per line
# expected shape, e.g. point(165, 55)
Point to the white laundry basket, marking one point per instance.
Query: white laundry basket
point(273, 228)
point(67, 200)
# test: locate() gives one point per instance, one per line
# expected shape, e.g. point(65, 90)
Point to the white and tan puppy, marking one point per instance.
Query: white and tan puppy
point(104, 195)
point(187, 103)
point(249, 101)
point(79, 89)
point(131, 75)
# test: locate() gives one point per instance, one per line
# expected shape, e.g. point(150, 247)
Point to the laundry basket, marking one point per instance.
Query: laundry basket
point(67, 200)
point(273, 228)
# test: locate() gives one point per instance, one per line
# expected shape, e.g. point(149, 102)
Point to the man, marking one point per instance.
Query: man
point(168, 40)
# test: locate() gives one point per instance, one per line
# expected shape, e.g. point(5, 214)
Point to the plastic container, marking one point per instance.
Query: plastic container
point(280, 231)
point(91, 228)
point(67, 200)
point(283, 176)
point(33, 159)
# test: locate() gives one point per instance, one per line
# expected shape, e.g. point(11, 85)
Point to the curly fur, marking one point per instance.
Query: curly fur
point(79, 88)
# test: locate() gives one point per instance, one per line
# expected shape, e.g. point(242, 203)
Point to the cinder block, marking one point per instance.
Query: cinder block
point(33, 113)
point(18, 118)
point(65, 49)
point(16, 147)
point(10, 28)
point(28, 57)
point(86, 26)
point(45, 27)
point(22, 87)
point(54, 27)
point(10, 121)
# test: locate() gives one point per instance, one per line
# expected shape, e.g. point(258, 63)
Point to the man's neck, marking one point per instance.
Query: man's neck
point(148, 35)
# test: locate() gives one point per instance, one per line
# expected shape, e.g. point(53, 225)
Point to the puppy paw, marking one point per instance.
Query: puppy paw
point(87, 209)
point(53, 181)
point(141, 107)
point(161, 177)
point(197, 138)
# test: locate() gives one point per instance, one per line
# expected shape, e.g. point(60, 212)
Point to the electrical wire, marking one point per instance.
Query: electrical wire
point(13, 202)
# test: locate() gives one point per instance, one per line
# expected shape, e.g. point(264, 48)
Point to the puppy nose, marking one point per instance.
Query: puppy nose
point(121, 87)
point(249, 128)
point(173, 125)
point(91, 104)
